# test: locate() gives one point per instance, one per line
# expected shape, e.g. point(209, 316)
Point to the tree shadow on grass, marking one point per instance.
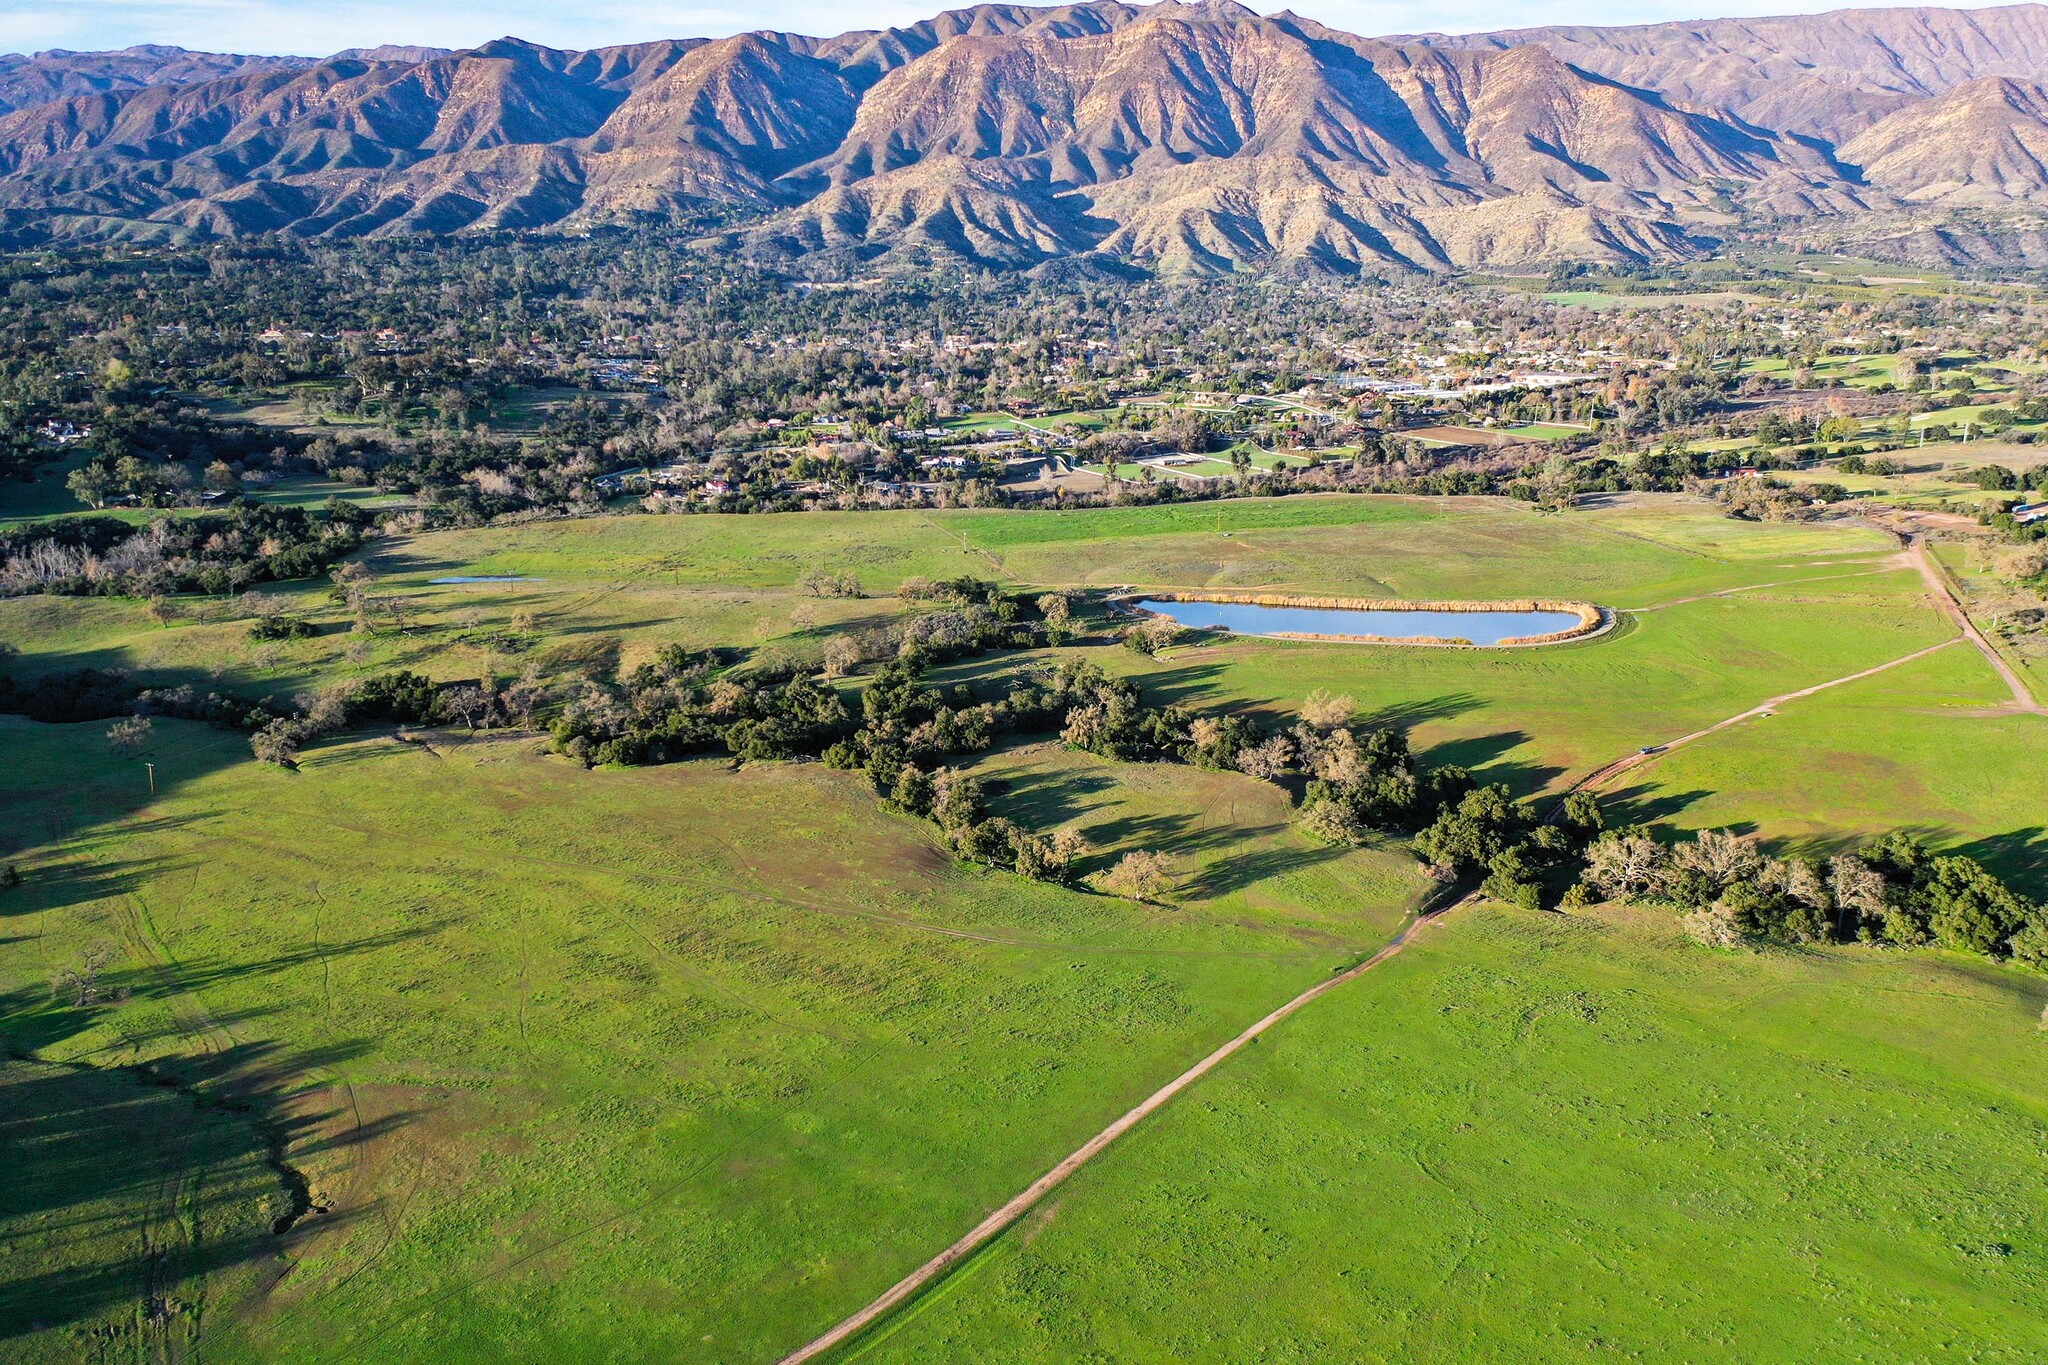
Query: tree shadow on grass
point(1226, 875)
point(57, 884)
point(1183, 834)
point(2020, 857)
point(1406, 715)
point(1045, 800)
point(35, 1019)
point(1183, 684)
point(1645, 804)
point(873, 620)
point(127, 1186)
point(1483, 757)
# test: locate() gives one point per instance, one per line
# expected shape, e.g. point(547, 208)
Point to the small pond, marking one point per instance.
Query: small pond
point(1253, 618)
point(483, 578)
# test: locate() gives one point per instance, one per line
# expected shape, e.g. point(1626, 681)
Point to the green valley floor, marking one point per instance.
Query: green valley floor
point(449, 1049)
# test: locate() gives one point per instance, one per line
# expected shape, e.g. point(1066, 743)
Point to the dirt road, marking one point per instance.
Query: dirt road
point(1594, 780)
point(1016, 1208)
point(1945, 595)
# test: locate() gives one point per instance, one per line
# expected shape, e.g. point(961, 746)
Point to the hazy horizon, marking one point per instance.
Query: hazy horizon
point(291, 27)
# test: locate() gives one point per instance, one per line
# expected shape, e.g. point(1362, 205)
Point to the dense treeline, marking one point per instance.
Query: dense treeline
point(1349, 784)
point(213, 552)
point(904, 732)
point(1892, 891)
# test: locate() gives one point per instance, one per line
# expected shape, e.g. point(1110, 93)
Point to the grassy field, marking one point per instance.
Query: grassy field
point(1920, 746)
point(1537, 1138)
point(1541, 431)
point(46, 496)
point(581, 1060)
point(684, 1063)
point(1857, 371)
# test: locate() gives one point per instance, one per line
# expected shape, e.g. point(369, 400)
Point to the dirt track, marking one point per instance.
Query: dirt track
point(1594, 780)
point(1016, 1208)
point(1938, 584)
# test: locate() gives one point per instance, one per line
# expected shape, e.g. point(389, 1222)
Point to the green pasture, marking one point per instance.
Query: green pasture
point(1540, 718)
point(46, 496)
point(1857, 371)
point(312, 491)
point(1989, 596)
point(684, 1063)
point(660, 1062)
point(613, 589)
point(1929, 745)
point(1091, 419)
point(1540, 431)
point(1599, 301)
point(1535, 1138)
point(1595, 300)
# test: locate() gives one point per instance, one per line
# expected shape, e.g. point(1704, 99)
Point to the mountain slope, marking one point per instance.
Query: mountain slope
point(1174, 136)
point(57, 74)
point(1981, 144)
point(1826, 76)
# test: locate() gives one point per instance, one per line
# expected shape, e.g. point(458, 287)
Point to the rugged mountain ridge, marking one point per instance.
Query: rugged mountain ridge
point(1170, 136)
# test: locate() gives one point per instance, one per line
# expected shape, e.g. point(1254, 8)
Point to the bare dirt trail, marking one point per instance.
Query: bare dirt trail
point(1599, 776)
point(1945, 595)
point(1886, 567)
point(934, 1269)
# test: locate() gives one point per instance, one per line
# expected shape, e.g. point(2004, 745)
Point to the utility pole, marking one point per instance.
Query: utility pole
point(152, 777)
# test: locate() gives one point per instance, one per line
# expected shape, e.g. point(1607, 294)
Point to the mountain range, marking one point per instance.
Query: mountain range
point(1170, 137)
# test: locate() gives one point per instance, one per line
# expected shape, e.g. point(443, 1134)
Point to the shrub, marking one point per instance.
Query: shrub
point(281, 627)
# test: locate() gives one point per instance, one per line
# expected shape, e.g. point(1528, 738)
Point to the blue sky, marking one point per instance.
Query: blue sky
point(317, 27)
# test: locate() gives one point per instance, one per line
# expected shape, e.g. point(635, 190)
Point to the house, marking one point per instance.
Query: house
point(2028, 513)
point(619, 480)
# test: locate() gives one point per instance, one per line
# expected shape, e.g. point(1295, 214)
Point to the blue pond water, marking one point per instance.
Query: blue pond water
point(1251, 618)
point(483, 578)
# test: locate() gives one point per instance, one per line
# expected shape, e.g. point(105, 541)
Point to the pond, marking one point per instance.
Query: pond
point(484, 578)
point(1255, 618)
